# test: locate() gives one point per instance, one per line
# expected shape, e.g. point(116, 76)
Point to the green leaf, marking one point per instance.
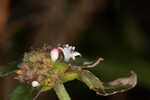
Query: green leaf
point(90, 80)
point(24, 93)
point(105, 89)
point(5, 70)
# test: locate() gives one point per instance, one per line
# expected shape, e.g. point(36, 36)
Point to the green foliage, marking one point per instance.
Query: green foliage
point(23, 93)
point(90, 80)
point(5, 70)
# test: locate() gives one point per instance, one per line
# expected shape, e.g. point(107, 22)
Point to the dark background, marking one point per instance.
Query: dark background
point(116, 30)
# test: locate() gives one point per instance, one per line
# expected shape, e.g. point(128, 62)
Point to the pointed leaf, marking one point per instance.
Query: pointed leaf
point(24, 93)
point(116, 86)
point(90, 80)
point(121, 84)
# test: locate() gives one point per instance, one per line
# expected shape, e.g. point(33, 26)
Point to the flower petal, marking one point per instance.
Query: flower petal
point(69, 52)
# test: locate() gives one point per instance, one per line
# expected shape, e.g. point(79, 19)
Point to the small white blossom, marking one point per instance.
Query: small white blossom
point(69, 52)
point(35, 84)
point(54, 54)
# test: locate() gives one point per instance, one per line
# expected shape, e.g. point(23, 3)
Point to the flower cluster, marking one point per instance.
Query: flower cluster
point(40, 67)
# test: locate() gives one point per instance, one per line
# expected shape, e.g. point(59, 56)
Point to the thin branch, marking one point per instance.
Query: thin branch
point(90, 64)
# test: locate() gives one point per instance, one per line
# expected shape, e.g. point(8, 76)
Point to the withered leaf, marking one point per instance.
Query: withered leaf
point(105, 89)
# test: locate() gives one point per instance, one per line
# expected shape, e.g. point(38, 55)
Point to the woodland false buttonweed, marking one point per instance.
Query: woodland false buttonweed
point(48, 68)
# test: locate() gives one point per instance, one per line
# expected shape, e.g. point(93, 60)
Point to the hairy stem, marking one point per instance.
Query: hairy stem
point(61, 91)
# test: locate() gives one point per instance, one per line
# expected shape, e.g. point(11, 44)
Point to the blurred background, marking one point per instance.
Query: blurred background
point(116, 30)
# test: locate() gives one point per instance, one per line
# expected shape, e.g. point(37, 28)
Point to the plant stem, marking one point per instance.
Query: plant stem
point(61, 91)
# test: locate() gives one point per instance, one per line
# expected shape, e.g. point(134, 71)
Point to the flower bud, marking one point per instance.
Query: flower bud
point(54, 54)
point(35, 84)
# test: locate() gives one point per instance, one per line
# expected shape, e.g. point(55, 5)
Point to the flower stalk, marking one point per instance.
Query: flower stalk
point(61, 91)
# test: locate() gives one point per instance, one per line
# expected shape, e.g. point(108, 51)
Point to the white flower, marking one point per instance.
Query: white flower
point(35, 84)
point(69, 52)
point(54, 54)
